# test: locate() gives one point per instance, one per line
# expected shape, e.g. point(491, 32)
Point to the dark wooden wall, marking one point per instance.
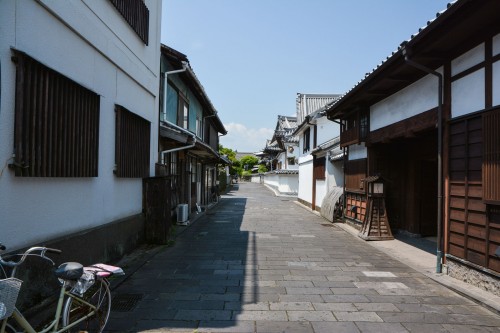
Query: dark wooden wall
point(474, 225)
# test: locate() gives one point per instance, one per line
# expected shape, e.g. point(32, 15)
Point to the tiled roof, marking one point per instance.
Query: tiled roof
point(327, 145)
point(284, 172)
point(307, 104)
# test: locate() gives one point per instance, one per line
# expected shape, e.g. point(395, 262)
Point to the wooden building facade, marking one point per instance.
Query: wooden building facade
point(189, 134)
point(427, 120)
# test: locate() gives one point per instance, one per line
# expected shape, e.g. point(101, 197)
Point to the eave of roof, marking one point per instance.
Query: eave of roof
point(335, 142)
point(442, 38)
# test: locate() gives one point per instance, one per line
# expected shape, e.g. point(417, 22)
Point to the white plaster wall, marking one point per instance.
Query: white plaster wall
point(357, 151)
point(496, 45)
point(418, 97)
point(327, 130)
point(271, 180)
point(282, 182)
point(321, 189)
point(109, 62)
point(467, 94)
point(496, 83)
point(470, 58)
point(334, 173)
point(288, 183)
point(305, 180)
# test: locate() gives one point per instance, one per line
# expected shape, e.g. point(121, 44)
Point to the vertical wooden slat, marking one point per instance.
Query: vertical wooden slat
point(491, 157)
point(54, 117)
point(136, 14)
point(131, 144)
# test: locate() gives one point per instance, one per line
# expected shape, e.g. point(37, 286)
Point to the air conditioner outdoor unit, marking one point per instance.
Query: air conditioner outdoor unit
point(182, 214)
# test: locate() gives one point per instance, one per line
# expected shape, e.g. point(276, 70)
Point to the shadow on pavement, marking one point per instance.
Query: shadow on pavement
point(196, 283)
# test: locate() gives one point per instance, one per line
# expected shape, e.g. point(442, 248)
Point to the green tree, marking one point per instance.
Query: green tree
point(262, 168)
point(231, 154)
point(235, 168)
point(248, 162)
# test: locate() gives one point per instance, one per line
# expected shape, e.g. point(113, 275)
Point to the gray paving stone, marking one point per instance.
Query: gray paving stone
point(345, 298)
point(426, 328)
point(307, 291)
point(334, 327)
point(164, 326)
point(237, 306)
point(470, 328)
point(184, 314)
point(260, 315)
point(262, 270)
point(357, 316)
point(291, 306)
point(382, 327)
point(226, 326)
point(310, 316)
point(377, 307)
point(336, 306)
point(283, 326)
point(301, 298)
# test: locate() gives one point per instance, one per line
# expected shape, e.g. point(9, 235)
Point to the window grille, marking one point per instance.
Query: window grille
point(136, 13)
point(56, 123)
point(491, 157)
point(132, 144)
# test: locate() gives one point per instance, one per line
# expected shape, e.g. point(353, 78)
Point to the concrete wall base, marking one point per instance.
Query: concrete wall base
point(104, 244)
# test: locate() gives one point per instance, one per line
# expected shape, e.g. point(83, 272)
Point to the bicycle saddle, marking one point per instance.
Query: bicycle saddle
point(69, 271)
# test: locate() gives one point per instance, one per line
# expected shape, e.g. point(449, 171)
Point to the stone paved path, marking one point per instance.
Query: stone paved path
point(260, 263)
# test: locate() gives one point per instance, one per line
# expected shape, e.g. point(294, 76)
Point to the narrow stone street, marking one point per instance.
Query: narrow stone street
point(261, 263)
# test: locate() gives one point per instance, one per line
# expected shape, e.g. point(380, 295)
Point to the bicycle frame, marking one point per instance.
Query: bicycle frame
point(53, 327)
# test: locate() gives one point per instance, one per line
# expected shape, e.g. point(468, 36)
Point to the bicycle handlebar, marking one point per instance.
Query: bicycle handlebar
point(40, 249)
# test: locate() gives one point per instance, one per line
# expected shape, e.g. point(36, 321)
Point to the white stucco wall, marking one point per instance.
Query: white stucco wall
point(496, 45)
point(327, 130)
point(321, 189)
point(90, 43)
point(496, 83)
point(284, 183)
point(305, 179)
point(418, 97)
point(335, 173)
point(357, 151)
point(465, 61)
point(467, 94)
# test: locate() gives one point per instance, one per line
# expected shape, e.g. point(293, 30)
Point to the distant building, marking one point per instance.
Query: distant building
point(320, 157)
point(189, 134)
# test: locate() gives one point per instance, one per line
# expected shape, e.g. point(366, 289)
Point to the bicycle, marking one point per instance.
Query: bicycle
point(84, 301)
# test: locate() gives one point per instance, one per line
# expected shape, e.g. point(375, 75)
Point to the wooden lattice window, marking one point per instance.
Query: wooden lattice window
point(491, 157)
point(56, 123)
point(136, 13)
point(132, 144)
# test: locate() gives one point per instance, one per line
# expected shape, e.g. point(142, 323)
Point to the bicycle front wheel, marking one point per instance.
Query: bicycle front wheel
point(99, 297)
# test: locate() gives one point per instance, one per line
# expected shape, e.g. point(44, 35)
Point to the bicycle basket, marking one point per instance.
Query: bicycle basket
point(9, 290)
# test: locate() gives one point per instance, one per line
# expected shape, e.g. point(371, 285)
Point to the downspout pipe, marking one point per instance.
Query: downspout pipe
point(165, 83)
point(163, 152)
point(439, 251)
point(164, 111)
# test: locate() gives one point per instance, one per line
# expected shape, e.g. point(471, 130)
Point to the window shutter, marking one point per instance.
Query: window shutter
point(491, 157)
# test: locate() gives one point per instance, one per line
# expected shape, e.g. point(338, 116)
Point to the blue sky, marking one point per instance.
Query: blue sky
point(254, 56)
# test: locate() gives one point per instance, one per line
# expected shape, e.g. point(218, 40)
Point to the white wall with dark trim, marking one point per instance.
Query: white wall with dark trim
point(90, 43)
